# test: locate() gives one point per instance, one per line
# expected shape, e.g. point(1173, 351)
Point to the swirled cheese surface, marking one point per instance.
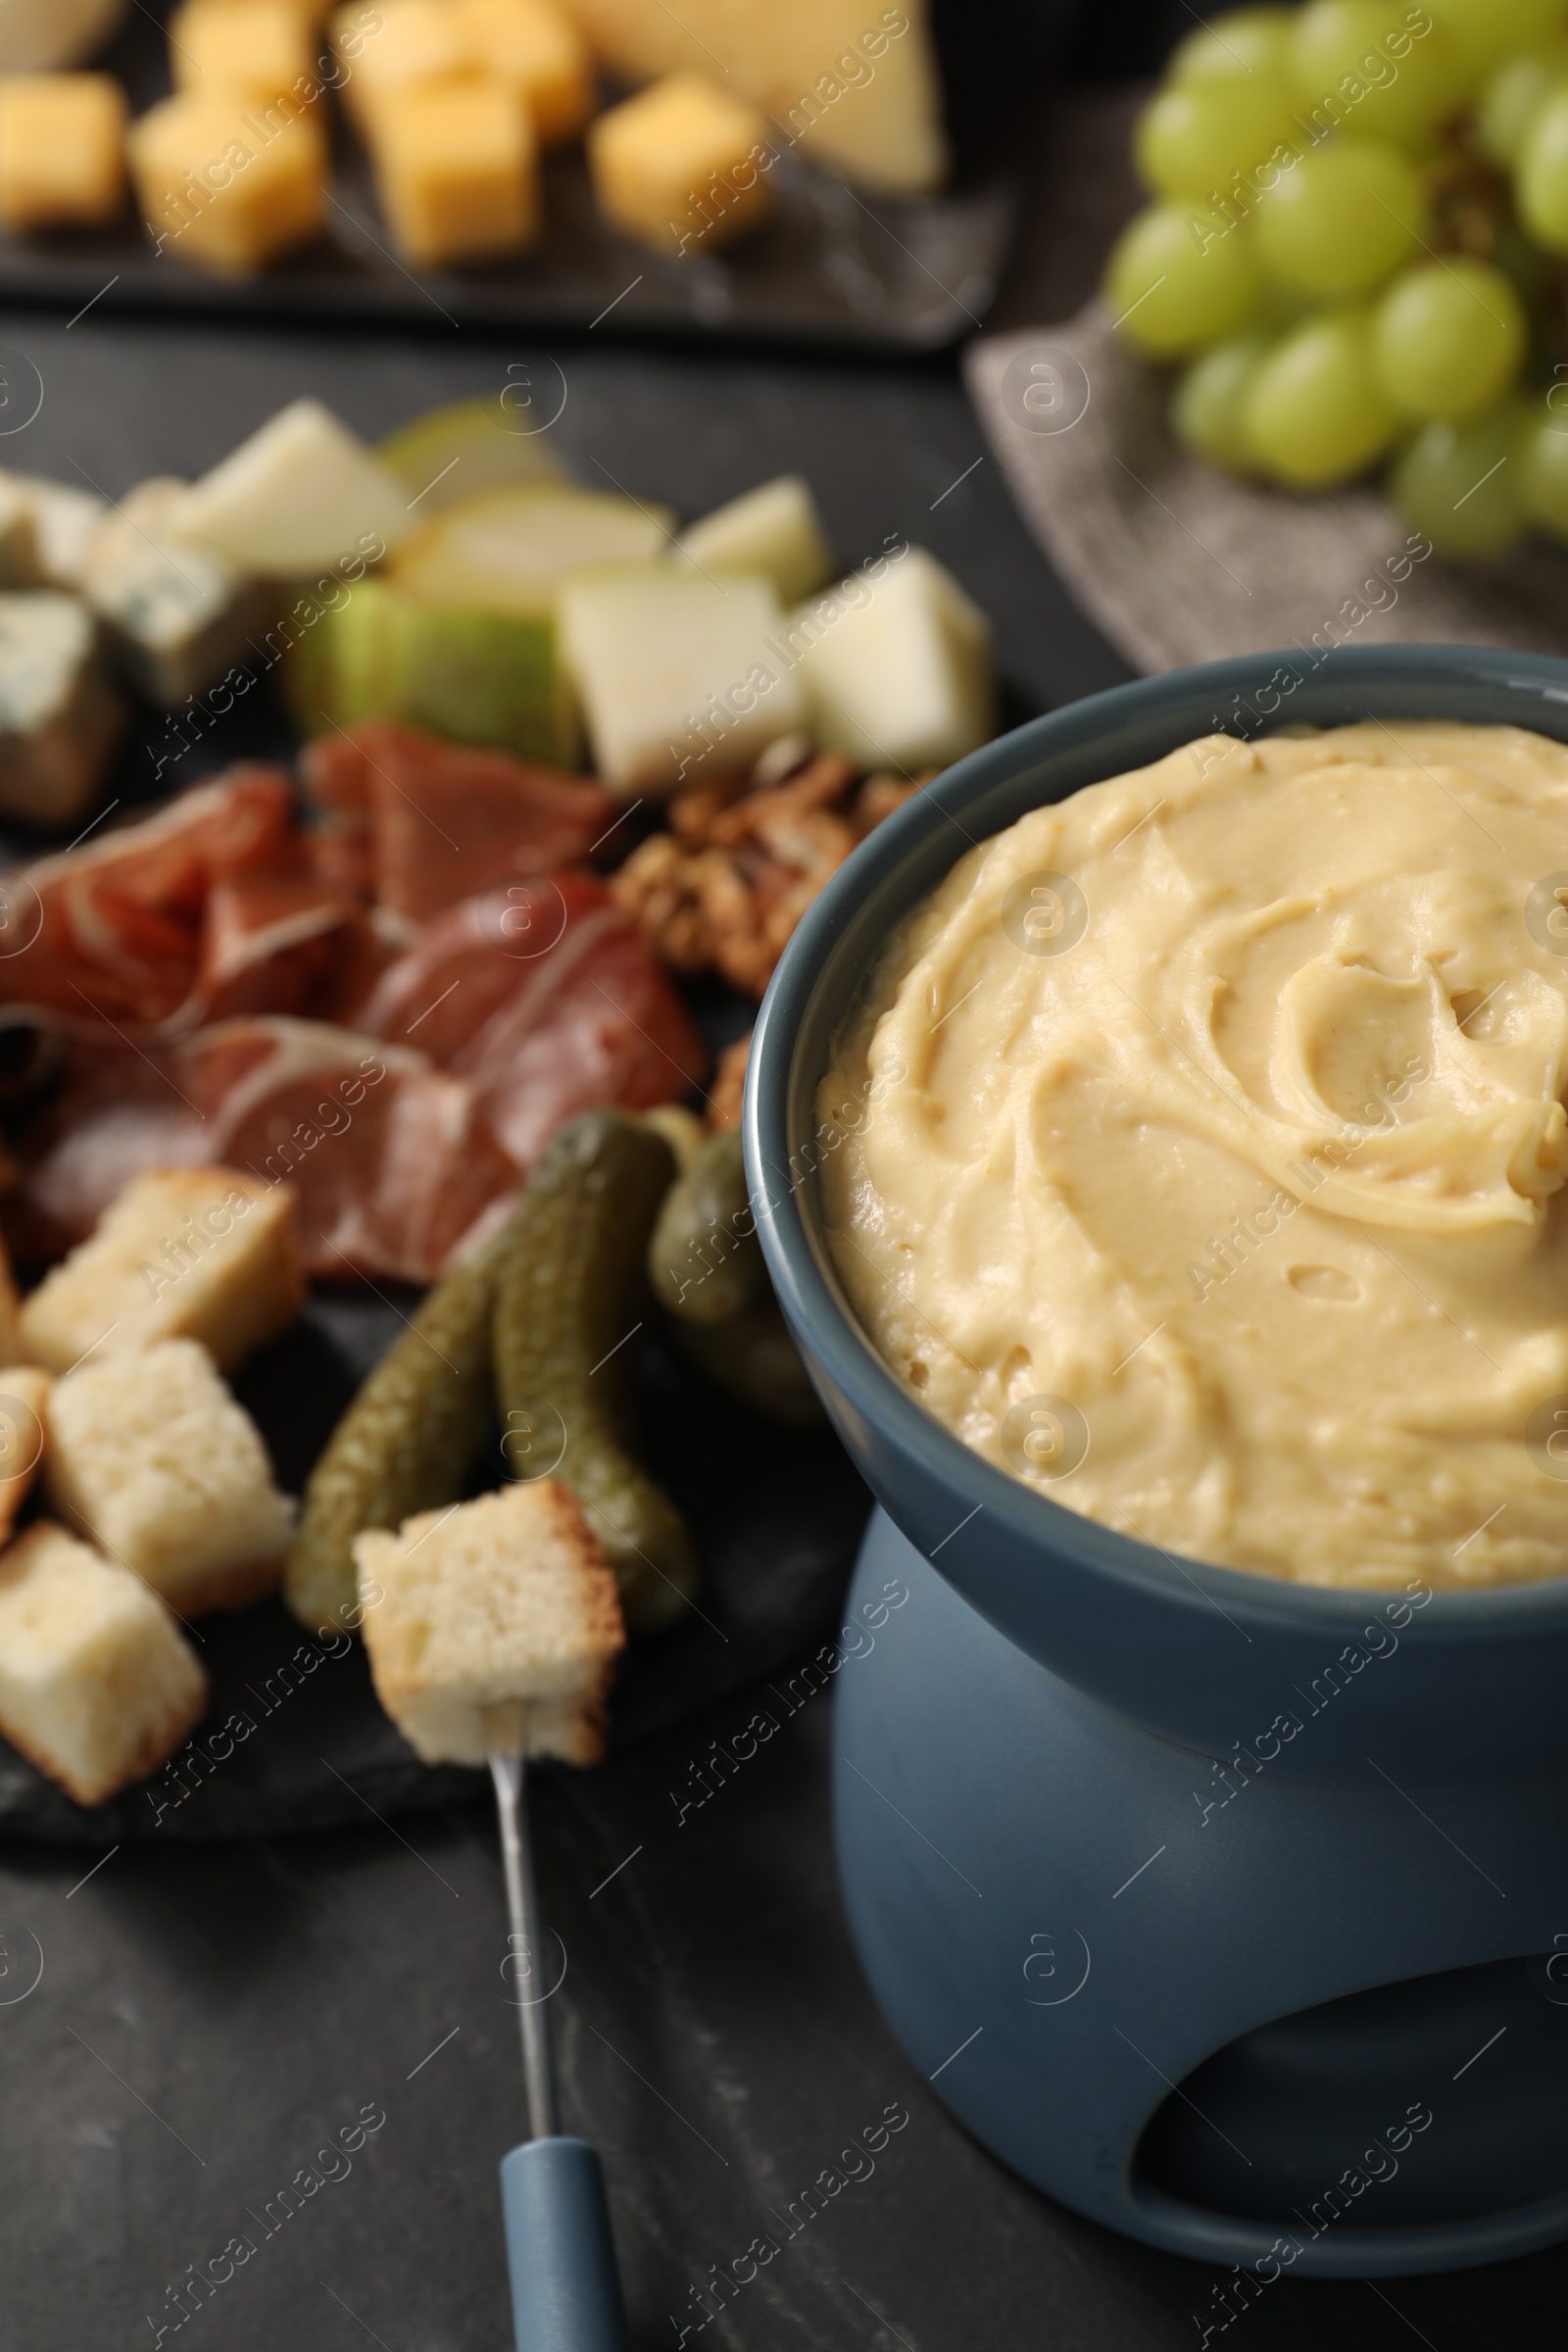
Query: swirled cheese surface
point(1199, 1154)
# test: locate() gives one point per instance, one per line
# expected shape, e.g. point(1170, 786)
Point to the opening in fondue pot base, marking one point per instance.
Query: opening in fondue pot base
point(1313, 2029)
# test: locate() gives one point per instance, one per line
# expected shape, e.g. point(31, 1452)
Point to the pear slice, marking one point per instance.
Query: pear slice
point(299, 495)
point(774, 532)
point(490, 678)
point(509, 549)
point(471, 445)
point(677, 672)
point(897, 670)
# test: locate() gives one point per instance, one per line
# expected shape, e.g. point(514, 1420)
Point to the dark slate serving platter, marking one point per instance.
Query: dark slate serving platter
point(295, 1739)
point(832, 267)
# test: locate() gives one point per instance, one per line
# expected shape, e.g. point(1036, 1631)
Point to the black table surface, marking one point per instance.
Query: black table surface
point(182, 2029)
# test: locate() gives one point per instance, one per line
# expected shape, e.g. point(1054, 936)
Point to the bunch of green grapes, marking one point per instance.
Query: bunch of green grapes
point(1355, 254)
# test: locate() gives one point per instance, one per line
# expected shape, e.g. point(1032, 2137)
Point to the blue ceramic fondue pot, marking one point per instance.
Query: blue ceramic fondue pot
point(1297, 2007)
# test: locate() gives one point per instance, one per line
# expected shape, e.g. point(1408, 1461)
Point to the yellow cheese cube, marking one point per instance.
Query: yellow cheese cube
point(400, 45)
point(539, 52)
point(257, 48)
point(62, 149)
point(228, 184)
point(682, 165)
point(458, 170)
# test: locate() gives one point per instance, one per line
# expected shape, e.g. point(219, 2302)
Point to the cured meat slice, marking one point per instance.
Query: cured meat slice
point(121, 922)
point(270, 942)
point(545, 998)
point(397, 1169)
point(427, 824)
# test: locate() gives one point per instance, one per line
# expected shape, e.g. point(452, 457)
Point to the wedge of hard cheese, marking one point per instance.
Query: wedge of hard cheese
point(850, 83)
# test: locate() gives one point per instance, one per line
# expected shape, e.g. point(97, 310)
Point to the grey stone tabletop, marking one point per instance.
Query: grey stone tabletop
point(185, 2027)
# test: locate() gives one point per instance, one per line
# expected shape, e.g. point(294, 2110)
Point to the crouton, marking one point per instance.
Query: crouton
point(509, 1598)
point(97, 1683)
point(199, 1253)
point(24, 1396)
point(150, 1456)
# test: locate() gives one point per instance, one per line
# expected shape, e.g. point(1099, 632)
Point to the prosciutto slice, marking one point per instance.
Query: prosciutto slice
point(421, 825)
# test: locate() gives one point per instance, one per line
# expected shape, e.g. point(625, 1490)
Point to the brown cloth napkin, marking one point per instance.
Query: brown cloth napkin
point(1178, 562)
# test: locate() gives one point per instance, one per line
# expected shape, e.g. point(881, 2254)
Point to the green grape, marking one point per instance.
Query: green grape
point(1249, 40)
point(1543, 461)
point(1313, 414)
point(1344, 220)
point(1178, 281)
point(1510, 96)
point(1191, 142)
point(1540, 173)
point(1448, 338)
point(1205, 410)
point(1360, 63)
point(1481, 31)
point(1462, 484)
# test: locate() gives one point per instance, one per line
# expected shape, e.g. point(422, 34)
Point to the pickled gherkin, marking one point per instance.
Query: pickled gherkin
point(406, 1443)
point(572, 1296)
point(707, 1273)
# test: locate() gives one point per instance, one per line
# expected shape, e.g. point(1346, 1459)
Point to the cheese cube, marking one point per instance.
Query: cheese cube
point(537, 51)
point(409, 45)
point(256, 48)
point(153, 1460)
point(177, 615)
point(675, 671)
point(897, 671)
point(60, 721)
point(456, 169)
point(97, 1683)
point(204, 1253)
point(64, 519)
point(231, 184)
point(62, 150)
point(682, 165)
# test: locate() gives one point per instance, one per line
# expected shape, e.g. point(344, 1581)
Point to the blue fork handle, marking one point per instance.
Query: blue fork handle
point(566, 2291)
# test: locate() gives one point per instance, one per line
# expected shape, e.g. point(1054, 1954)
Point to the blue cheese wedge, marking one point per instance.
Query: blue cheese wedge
point(177, 615)
point(60, 719)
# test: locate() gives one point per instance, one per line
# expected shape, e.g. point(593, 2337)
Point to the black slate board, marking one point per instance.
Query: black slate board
point(832, 267)
point(776, 1515)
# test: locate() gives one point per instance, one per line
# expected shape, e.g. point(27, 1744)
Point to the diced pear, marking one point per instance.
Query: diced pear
point(508, 548)
point(473, 445)
point(300, 495)
point(774, 532)
point(486, 678)
point(675, 671)
point(897, 671)
point(490, 678)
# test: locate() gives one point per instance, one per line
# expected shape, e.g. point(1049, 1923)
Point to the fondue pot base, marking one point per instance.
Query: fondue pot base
point(1306, 2027)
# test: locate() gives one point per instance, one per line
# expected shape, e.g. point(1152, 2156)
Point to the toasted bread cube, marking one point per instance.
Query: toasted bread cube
point(457, 168)
point(198, 1253)
point(62, 150)
point(97, 1683)
point(536, 50)
point(508, 1599)
point(153, 1460)
point(682, 165)
point(256, 48)
point(231, 184)
point(413, 44)
point(23, 1406)
point(60, 719)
